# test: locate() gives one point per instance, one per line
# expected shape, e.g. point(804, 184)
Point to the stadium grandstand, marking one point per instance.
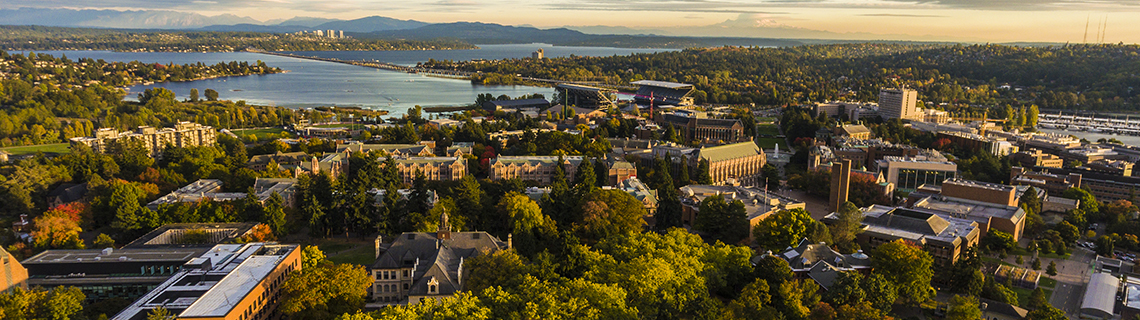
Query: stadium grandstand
point(661, 93)
point(585, 96)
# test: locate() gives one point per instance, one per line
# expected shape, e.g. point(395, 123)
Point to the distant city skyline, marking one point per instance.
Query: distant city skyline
point(928, 20)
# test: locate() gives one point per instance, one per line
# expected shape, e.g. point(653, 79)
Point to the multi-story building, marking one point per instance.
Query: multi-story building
point(1035, 158)
point(758, 203)
point(421, 265)
point(12, 273)
point(1053, 184)
point(229, 281)
point(740, 162)
point(183, 135)
point(943, 237)
point(909, 173)
point(1104, 186)
point(854, 131)
point(1050, 141)
point(989, 216)
point(934, 115)
point(1114, 167)
point(392, 150)
point(433, 168)
point(619, 170)
point(1089, 154)
point(211, 189)
point(978, 143)
point(535, 168)
point(899, 104)
point(697, 126)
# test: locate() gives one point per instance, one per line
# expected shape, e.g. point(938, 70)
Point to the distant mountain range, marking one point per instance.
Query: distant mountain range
point(746, 30)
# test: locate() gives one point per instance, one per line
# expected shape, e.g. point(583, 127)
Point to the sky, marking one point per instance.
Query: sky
point(951, 20)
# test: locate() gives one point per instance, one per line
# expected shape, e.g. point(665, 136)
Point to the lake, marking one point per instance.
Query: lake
point(312, 83)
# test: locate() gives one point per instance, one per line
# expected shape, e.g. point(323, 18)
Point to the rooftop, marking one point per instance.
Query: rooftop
point(969, 209)
point(663, 84)
point(756, 201)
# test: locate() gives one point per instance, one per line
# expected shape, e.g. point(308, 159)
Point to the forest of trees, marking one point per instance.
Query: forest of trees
point(61, 38)
point(1089, 77)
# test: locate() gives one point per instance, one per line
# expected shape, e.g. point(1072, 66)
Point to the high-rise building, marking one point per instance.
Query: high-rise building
point(899, 104)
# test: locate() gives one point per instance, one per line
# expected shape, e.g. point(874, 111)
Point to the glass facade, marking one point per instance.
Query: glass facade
point(910, 179)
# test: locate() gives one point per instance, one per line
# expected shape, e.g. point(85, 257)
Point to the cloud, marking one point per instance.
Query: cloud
point(901, 15)
point(1025, 5)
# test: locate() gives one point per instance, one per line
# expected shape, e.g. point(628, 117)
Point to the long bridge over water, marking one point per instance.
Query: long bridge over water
point(454, 74)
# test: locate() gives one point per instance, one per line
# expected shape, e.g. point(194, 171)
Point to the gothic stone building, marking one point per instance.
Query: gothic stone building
point(421, 265)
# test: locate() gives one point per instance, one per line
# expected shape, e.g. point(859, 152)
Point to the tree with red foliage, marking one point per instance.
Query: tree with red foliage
point(941, 144)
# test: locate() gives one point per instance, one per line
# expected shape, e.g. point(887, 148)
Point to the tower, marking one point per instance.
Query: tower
point(840, 183)
point(444, 231)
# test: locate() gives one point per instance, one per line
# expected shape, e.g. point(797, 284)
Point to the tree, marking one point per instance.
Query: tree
point(1105, 246)
point(585, 178)
point(211, 95)
point(274, 214)
point(1052, 269)
point(527, 222)
point(609, 212)
point(1037, 299)
point(469, 197)
point(785, 228)
point(753, 302)
point(774, 270)
point(669, 207)
point(963, 308)
point(998, 241)
point(1088, 201)
point(1046, 312)
point(311, 257)
point(1068, 232)
point(726, 222)
point(846, 227)
point(56, 230)
point(160, 313)
point(104, 241)
point(905, 266)
point(703, 176)
point(193, 94)
point(1036, 264)
point(324, 291)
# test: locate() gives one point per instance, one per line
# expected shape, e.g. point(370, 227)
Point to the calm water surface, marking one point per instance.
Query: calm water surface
point(312, 83)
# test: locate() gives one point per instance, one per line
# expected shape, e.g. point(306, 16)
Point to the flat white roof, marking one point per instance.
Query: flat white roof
point(218, 301)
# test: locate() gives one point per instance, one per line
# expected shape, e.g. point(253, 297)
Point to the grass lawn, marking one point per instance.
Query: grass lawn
point(262, 134)
point(767, 129)
point(348, 250)
point(1023, 296)
point(765, 119)
point(60, 148)
point(362, 255)
point(769, 143)
point(1047, 282)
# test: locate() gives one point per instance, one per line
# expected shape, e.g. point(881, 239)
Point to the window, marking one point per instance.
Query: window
point(431, 289)
point(405, 286)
